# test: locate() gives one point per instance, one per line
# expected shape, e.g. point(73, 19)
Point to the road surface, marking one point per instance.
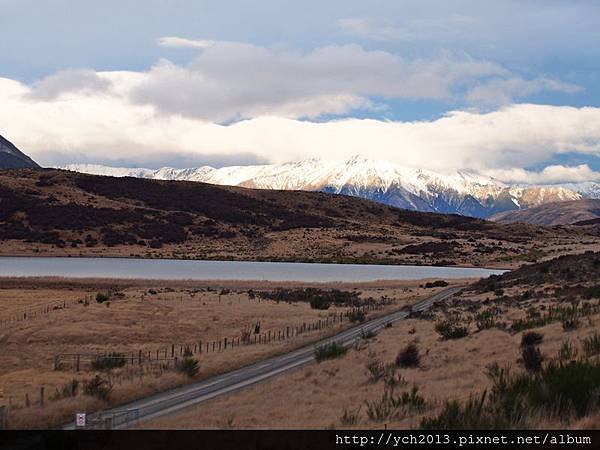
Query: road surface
point(174, 400)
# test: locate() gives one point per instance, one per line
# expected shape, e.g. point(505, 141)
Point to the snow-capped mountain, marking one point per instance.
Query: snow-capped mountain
point(460, 192)
point(587, 189)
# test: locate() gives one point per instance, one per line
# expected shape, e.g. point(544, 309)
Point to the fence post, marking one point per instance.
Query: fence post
point(78, 360)
point(27, 399)
point(225, 343)
point(56, 362)
point(42, 396)
point(3, 415)
point(140, 357)
point(172, 350)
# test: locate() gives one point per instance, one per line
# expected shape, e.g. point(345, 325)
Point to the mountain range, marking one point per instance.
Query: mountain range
point(578, 212)
point(460, 192)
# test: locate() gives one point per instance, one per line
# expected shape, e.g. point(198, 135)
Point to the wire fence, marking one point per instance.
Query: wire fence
point(169, 355)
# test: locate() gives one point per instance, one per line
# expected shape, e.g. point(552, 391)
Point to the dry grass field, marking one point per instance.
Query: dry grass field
point(149, 316)
point(337, 393)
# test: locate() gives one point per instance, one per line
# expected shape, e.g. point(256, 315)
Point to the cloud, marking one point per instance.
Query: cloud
point(68, 81)
point(499, 91)
point(228, 81)
point(109, 126)
point(231, 81)
point(179, 42)
point(553, 174)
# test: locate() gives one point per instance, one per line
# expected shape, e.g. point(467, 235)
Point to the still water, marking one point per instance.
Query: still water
point(224, 270)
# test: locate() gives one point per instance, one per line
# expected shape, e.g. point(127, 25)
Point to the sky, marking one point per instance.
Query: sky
point(509, 89)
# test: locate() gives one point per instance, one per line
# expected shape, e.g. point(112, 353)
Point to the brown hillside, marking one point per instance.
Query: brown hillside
point(557, 213)
point(52, 212)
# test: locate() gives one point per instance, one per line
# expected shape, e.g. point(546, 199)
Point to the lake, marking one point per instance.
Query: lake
point(224, 270)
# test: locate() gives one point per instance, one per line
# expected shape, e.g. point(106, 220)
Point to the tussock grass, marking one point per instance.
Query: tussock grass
point(452, 328)
point(591, 345)
point(392, 406)
point(559, 391)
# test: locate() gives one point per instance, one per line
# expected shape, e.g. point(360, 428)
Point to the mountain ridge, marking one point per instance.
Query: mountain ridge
point(576, 212)
point(460, 192)
point(59, 213)
point(13, 158)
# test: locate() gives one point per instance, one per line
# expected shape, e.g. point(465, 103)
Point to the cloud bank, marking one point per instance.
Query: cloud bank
point(238, 100)
point(107, 125)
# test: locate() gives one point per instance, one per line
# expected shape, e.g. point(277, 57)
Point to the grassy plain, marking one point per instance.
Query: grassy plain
point(147, 316)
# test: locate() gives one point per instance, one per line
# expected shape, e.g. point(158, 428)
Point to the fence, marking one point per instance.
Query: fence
point(38, 311)
point(168, 356)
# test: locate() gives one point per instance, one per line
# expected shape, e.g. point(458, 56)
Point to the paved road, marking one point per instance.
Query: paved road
point(176, 399)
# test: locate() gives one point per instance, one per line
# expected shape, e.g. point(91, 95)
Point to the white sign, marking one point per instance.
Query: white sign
point(80, 419)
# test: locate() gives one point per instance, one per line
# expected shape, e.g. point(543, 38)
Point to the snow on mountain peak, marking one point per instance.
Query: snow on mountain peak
point(462, 192)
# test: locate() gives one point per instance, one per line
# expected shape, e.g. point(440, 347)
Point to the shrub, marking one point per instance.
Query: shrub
point(437, 283)
point(486, 319)
point(531, 338)
point(329, 351)
point(391, 378)
point(412, 401)
point(320, 298)
point(350, 417)
point(319, 303)
point(189, 366)
point(376, 368)
point(68, 390)
point(451, 329)
point(98, 387)
point(470, 415)
point(245, 336)
point(591, 345)
point(532, 358)
point(391, 407)
point(102, 297)
point(357, 315)
point(109, 361)
point(559, 391)
point(382, 409)
point(570, 323)
point(567, 351)
point(409, 356)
